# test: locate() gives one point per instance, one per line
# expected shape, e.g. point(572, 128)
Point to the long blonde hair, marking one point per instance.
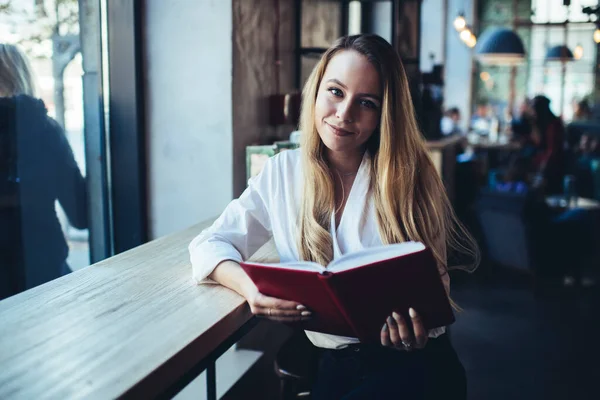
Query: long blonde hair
point(409, 196)
point(15, 72)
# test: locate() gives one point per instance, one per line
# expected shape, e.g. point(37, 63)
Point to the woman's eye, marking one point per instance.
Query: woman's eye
point(368, 104)
point(336, 92)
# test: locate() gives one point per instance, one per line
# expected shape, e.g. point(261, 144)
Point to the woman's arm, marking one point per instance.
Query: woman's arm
point(242, 229)
point(231, 275)
point(71, 185)
point(238, 233)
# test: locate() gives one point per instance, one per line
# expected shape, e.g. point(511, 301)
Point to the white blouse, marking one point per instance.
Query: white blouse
point(269, 207)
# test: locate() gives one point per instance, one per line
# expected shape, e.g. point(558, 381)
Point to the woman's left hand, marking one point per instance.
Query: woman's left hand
point(397, 333)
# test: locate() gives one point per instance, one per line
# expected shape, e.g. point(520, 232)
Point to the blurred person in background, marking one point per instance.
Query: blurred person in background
point(522, 132)
point(522, 124)
point(37, 167)
point(583, 111)
point(548, 135)
point(450, 122)
point(481, 120)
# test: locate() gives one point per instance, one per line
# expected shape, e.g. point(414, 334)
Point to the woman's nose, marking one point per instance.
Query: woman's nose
point(344, 111)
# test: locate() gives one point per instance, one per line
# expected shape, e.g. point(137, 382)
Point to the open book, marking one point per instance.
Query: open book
point(354, 294)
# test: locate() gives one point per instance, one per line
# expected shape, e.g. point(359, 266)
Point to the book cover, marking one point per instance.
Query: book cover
point(354, 294)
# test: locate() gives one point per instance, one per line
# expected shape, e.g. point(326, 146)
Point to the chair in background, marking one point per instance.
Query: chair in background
point(514, 232)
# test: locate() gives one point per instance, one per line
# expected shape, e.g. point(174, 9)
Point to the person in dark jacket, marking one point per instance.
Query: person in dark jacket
point(37, 168)
point(549, 136)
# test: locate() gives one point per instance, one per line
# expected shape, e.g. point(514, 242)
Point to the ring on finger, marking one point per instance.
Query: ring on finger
point(407, 345)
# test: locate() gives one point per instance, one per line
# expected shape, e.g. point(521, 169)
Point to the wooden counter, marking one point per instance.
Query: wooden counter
point(130, 326)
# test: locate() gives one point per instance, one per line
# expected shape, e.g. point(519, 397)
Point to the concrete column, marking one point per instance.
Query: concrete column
point(188, 80)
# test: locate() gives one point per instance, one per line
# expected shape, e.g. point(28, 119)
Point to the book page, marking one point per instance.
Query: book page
point(374, 254)
point(295, 265)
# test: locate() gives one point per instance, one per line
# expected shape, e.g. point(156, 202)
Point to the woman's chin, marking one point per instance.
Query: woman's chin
point(336, 143)
point(337, 147)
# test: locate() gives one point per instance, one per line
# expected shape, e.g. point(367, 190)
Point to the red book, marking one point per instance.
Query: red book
point(355, 294)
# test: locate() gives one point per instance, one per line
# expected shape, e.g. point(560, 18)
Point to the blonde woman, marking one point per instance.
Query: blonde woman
point(361, 178)
point(37, 168)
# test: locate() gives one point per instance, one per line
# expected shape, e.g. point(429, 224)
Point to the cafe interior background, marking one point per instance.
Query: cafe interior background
point(198, 94)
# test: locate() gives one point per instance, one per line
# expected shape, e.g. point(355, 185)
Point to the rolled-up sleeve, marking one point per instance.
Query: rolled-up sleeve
point(239, 232)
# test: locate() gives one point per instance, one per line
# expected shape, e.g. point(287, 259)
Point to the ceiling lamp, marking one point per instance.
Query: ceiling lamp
point(559, 53)
point(597, 35)
point(500, 47)
point(465, 34)
point(472, 41)
point(578, 52)
point(460, 22)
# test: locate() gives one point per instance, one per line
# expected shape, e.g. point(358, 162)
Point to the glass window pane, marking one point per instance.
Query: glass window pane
point(43, 169)
point(555, 11)
point(548, 79)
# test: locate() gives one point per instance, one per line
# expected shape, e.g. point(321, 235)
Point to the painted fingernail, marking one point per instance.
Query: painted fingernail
point(412, 312)
point(390, 320)
point(300, 307)
point(305, 313)
point(396, 315)
point(385, 328)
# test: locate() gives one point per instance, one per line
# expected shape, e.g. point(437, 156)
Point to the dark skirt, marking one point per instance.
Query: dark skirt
point(377, 372)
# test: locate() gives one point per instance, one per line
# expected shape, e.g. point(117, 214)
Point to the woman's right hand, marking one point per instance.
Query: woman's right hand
point(276, 309)
point(230, 274)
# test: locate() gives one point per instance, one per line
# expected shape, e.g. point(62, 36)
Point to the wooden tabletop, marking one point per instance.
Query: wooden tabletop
point(483, 143)
point(444, 142)
point(136, 319)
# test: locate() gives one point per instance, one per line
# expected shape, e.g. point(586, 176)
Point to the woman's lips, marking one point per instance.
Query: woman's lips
point(339, 131)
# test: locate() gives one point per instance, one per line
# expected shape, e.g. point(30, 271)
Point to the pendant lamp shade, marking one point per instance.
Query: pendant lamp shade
point(500, 46)
point(559, 53)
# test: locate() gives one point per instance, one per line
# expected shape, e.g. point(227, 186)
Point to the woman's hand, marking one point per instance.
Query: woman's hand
point(398, 334)
point(229, 274)
point(276, 309)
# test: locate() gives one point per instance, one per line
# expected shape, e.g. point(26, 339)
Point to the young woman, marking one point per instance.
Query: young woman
point(37, 167)
point(361, 178)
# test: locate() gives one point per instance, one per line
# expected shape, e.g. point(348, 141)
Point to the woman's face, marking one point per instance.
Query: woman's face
point(348, 105)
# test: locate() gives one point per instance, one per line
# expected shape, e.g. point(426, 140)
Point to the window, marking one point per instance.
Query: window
point(61, 205)
point(547, 77)
point(541, 26)
point(555, 11)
